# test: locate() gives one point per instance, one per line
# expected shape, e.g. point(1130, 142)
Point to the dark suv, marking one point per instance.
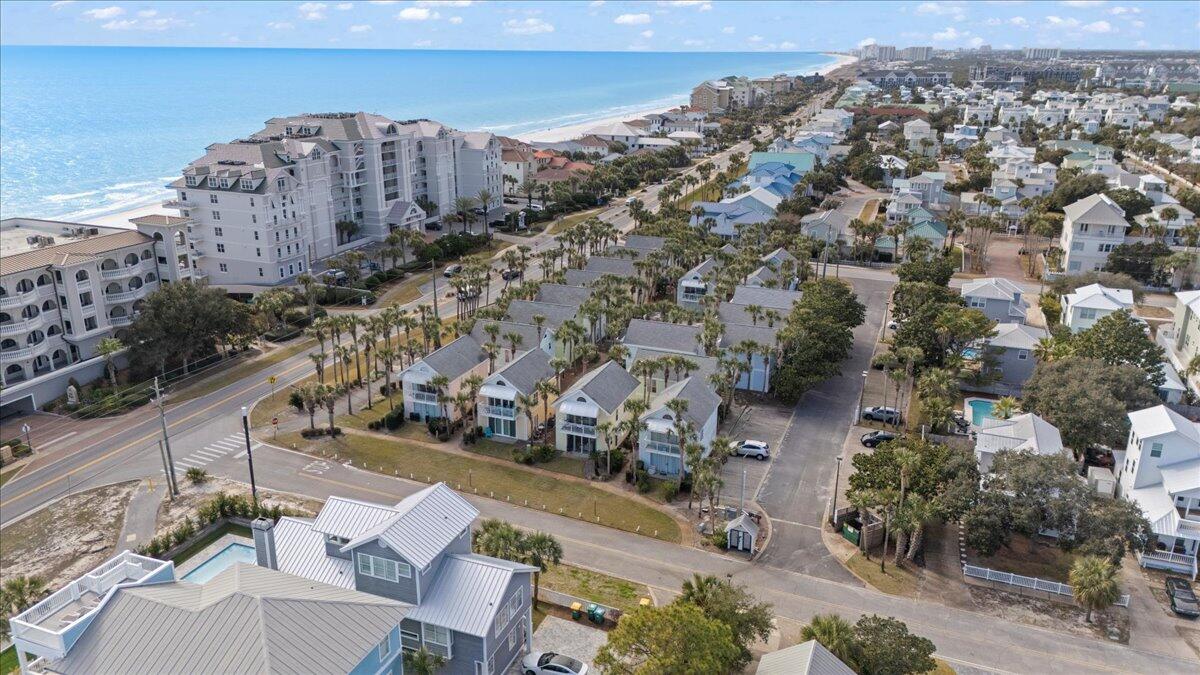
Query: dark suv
point(1183, 598)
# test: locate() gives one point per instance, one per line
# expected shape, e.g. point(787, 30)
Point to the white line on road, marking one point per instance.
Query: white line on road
point(222, 443)
point(43, 446)
point(206, 454)
point(792, 522)
point(188, 463)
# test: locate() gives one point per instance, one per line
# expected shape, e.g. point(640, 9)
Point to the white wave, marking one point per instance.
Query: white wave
point(117, 202)
point(56, 199)
point(591, 115)
point(134, 184)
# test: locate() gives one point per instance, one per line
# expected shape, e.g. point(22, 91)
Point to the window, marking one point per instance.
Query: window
point(382, 568)
point(291, 269)
point(1087, 313)
point(89, 323)
point(212, 199)
point(507, 611)
point(278, 252)
point(260, 271)
point(281, 184)
point(252, 201)
point(257, 252)
point(1156, 449)
point(280, 272)
point(1022, 355)
point(216, 215)
point(85, 299)
point(220, 248)
point(978, 302)
point(385, 647)
point(276, 235)
point(218, 232)
point(248, 185)
point(223, 267)
point(1077, 246)
point(437, 640)
point(512, 640)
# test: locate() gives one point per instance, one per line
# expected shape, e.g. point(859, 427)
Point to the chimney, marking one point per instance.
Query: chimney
point(264, 543)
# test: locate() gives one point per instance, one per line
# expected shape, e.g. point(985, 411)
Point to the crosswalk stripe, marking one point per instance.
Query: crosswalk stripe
point(188, 463)
point(208, 457)
point(229, 445)
point(218, 451)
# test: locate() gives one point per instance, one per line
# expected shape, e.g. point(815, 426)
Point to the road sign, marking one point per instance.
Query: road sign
point(24, 428)
point(275, 421)
point(271, 379)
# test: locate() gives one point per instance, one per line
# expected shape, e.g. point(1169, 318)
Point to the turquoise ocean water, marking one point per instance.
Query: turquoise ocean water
point(88, 131)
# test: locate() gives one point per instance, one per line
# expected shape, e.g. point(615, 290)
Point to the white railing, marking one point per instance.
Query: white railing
point(499, 411)
point(120, 320)
point(22, 326)
point(18, 299)
point(663, 448)
point(1030, 583)
point(121, 297)
point(22, 353)
point(1181, 559)
point(571, 427)
point(424, 397)
point(121, 272)
point(179, 204)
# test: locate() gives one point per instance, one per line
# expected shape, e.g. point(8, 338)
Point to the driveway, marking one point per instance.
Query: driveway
point(799, 483)
point(762, 421)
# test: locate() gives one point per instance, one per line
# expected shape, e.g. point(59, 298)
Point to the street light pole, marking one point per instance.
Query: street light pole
point(249, 453)
point(162, 419)
point(837, 477)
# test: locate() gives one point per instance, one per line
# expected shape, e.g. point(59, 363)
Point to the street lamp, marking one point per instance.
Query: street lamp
point(249, 454)
point(837, 477)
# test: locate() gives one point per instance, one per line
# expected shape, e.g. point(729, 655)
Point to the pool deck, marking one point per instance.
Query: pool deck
point(209, 551)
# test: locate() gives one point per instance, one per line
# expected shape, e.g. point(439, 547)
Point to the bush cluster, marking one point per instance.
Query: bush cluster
point(538, 454)
point(391, 421)
point(220, 506)
point(320, 431)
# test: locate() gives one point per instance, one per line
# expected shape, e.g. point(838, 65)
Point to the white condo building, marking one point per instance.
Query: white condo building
point(307, 187)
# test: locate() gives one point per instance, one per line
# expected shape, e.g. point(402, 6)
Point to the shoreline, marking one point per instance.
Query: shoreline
point(548, 135)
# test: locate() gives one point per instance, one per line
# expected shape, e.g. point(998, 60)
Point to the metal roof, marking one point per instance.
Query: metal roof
point(996, 288)
point(300, 550)
point(424, 525)
point(467, 593)
point(806, 658)
point(247, 619)
point(348, 517)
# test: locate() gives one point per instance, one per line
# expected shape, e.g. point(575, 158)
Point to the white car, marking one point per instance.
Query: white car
point(547, 663)
point(759, 450)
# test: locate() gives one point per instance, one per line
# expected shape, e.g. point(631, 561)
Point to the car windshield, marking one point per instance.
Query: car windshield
point(566, 662)
point(546, 658)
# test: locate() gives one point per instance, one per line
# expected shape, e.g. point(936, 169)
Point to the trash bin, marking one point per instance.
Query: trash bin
point(576, 610)
point(596, 613)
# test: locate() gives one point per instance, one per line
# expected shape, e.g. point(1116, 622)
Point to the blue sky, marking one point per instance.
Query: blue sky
point(688, 25)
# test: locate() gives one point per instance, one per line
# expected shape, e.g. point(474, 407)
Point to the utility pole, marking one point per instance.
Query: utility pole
point(742, 504)
point(167, 470)
point(837, 477)
point(249, 454)
point(433, 269)
point(166, 440)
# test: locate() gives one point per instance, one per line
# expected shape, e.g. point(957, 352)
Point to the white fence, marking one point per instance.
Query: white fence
point(1028, 583)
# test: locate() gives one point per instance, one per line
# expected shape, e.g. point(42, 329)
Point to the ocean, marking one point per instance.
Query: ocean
point(92, 131)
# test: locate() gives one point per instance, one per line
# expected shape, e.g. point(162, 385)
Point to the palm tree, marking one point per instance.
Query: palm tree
point(328, 397)
point(527, 403)
point(463, 206)
point(108, 348)
point(1005, 408)
point(1094, 583)
point(439, 384)
point(835, 634)
point(309, 394)
point(423, 662)
point(540, 550)
point(388, 356)
point(485, 198)
point(498, 539)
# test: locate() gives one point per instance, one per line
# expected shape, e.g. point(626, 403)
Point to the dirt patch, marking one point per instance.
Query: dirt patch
point(192, 497)
point(1111, 624)
point(1153, 312)
point(1191, 637)
point(67, 538)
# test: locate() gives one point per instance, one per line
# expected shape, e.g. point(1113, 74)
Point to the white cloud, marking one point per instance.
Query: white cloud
point(1099, 27)
point(1019, 22)
point(647, 34)
point(417, 14)
point(280, 25)
point(147, 13)
point(693, 43)
point(955, 10)
point(975, 42)
point(787, 45)
point(729, 30)
point(361, 28)
point(950, 34)
point(530, 26)
point(1138, 23)
point(1069, 22)
point(423, 43)
point(312, 11)
point(596, 3)
point(755, 38)
point(445, 3)
point(455, 20)
point(101, 13)
point(344, 6)
point(632, 19)
point(150, 23)
point(866, 41)
point(61, 3)
point(1141, 43)
point(1119, 10)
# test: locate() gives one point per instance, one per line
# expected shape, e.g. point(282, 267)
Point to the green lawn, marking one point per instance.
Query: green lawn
point(571, 466)
point(509, 483)
point(238, 371)
point(567, 222)
point(6, 476)
point(8, 661)
point(894, 581)
point(609, 591)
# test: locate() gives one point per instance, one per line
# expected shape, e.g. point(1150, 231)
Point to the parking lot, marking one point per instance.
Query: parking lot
point(763, 421)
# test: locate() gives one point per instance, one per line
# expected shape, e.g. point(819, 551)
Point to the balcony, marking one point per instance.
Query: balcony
point(179, 204)
point(424, 397)
point(14, 354)
point(661, 448)
point(18, 299)
point(16, 327)
point(121, 320)
point(122, 297)
point(122, 272)
point(585, 429)
point(51, 627)
point(499, 411)
point(1163, 560)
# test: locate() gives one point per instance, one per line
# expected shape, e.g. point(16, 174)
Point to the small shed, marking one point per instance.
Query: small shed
point(1101, 480)
point(741, 534)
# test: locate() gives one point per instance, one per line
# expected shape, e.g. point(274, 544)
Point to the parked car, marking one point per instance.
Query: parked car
point(543, 663)
point(630, 200)
point(759, 450)
point(536, 207)
point(335, 277)
point(893, 324)
point(874, 438)
point(451, 270)
point(433, 226)
point(879, 413)
point(1183, 598)
point(509, 274)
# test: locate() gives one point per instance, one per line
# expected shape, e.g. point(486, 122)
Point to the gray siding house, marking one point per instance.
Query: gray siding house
point(999, 299)
point(1010, 353)
point(472, 609)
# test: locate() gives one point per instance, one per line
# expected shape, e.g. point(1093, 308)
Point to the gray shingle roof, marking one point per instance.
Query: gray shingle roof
point(522, 311)
point(740, 332)
point(705, 365)
point(425, 523)
point(467, 593)
point(609, 386)
point(644, 242)
point(664, 336)
point(1098, 209)
point(563, 294)
point(456, 358)
point(526, 371)
point(767, 298)
point(701, 398)
point(247, 619)
point(582, 277)
point(619, 266)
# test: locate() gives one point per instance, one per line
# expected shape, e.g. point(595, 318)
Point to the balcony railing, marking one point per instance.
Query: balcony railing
point(499, 411)
point(179, 204)
point(585, 429)
point(120, 320)
point(121, 272)
point(424, 397)
point(19, 299)
point(12, 354)
point(662, 448)
point(122, 297)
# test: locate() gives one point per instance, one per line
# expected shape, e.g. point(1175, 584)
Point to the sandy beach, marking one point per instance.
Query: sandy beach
point(551, 135)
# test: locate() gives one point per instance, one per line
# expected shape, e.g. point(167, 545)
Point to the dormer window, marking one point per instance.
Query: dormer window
point(224, 182)
point(212, 181)
point(334, 539)
point(192, 181)
point(316, 153)
point(247, 184)
point(281, 184)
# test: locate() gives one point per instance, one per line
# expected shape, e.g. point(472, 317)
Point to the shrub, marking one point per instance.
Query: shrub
point(320, 431)
point(544, 453)
point(669, 490)
point(522, 456)
point(296, 400)
point(719, 539)
point(197, 475)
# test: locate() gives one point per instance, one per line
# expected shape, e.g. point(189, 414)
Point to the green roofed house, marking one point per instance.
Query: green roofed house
point(922, 224)
point(801, 162)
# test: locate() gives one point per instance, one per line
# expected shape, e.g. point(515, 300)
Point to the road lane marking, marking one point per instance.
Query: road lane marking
point(141, 441)
point(207, 454)
point(43, 446)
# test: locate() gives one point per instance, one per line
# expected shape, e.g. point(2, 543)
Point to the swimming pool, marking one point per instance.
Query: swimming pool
point(980, 408)
point(970, 354)
point(233, 553)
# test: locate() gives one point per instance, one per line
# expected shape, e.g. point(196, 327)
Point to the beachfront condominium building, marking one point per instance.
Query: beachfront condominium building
point(307, 187)
point(1042, 53)
point(64, 287)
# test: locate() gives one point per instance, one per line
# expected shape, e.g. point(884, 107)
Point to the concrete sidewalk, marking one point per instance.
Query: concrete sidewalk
point(141, 515)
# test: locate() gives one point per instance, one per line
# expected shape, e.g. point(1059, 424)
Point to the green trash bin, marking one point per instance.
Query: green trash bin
point(576, 611)
point(595, 613)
